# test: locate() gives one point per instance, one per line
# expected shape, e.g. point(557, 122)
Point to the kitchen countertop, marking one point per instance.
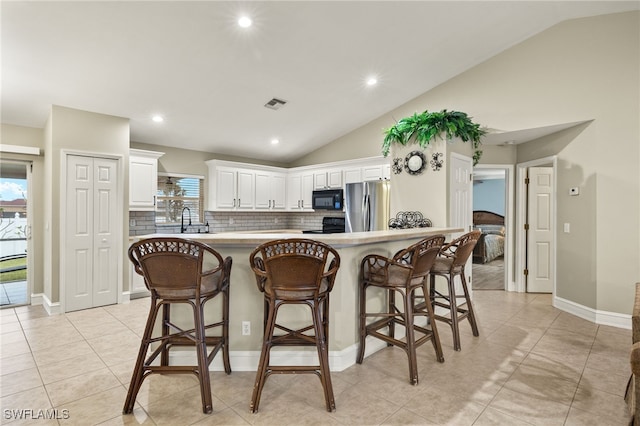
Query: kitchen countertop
point(254, 238)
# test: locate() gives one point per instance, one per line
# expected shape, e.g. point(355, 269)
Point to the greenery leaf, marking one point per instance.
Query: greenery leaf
point(424, 127)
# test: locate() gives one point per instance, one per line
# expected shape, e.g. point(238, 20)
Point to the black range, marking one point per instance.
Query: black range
point(330, 225)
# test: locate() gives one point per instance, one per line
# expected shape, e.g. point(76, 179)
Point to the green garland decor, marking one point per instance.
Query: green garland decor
point(425, 127)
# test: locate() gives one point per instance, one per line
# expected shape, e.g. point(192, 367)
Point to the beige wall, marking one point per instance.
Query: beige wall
point(585, 69)
point(75, 131)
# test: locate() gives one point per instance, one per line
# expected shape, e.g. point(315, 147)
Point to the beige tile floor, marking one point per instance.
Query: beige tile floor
point(531, 365)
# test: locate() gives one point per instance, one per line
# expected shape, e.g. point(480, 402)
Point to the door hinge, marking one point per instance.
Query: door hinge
point(526, 272)
point(526, 181)
point(526, 226)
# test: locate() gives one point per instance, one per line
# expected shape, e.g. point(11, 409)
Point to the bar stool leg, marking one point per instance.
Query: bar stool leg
point(201, 352)
point(323, 355)
point(166, 317)
point(225, 331)
point(138, 371)
point(471, 314)
point(264, 356)
point(363, 321)
point(391, 309)
point(432, 322)
point(453, 308)
point(410, 338)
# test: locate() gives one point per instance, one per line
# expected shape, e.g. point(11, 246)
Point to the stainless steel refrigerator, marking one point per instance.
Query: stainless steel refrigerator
point(367, 206)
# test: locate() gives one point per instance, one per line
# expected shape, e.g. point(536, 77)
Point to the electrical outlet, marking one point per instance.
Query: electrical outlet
point(302, 221)
point(275, 221)
point(231, 221)
point(246, 328)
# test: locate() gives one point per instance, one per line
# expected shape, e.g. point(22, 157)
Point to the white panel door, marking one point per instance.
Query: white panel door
point(460, 201)
point(91, 265)
point(461, 204)
point(540, 260)
point(106, 232)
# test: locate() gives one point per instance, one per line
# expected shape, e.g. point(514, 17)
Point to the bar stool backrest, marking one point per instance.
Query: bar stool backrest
point(461, 248)
point(172, 266)
point(294, 268)
point(421, 255)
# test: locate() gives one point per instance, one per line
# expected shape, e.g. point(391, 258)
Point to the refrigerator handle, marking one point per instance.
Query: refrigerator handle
point(366, 213)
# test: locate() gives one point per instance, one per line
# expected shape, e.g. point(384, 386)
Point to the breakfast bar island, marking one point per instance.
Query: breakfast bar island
point(246, 301)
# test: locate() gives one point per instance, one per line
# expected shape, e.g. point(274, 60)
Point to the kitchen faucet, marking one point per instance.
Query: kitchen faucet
point(182, 227)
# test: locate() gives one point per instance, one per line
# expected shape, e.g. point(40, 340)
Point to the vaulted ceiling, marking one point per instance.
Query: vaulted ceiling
point(209, 79)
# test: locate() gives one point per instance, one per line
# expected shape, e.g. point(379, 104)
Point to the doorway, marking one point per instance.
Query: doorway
point(14, 233)
point(493, 261)
point(489, 206)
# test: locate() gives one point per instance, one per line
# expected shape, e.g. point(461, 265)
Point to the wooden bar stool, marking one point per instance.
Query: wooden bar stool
point(176, 270)
point(404, 274)
point(295, 271)
point(449, 264)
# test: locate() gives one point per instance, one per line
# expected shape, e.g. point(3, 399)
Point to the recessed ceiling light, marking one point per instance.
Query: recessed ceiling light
point(372, 81)
point(245, 22)
point(157, 118)
point(275, 141)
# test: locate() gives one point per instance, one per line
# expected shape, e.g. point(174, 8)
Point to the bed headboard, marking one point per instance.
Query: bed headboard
point(483, 217)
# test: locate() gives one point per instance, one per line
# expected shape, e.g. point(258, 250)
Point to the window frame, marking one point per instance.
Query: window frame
point(196, 215)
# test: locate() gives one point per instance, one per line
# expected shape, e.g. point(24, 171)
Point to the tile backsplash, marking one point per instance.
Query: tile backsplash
point(142, 223)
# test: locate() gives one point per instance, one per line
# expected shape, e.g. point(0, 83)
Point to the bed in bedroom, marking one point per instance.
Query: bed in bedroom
point(491, 243)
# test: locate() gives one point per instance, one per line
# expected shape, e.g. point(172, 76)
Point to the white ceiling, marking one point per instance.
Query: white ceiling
point(209, 78)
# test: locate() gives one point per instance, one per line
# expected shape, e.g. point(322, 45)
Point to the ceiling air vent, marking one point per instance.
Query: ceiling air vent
point(275, 103)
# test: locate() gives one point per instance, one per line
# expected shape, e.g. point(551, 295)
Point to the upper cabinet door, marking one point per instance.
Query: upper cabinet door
point(270, 190)
point(225, 188)
point(246, 190)
point(278, 191)
point(143, 179)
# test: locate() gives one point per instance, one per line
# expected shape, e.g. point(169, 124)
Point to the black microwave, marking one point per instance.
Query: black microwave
point(328, 199)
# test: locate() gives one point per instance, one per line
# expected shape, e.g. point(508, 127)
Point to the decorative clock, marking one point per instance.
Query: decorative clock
point(415, 162)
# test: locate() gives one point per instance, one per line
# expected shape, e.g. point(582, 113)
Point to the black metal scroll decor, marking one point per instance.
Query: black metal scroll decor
point(436, 161)
point(405, 220)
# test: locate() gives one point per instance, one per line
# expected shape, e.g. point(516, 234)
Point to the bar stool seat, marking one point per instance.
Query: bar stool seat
point(179, 271)
point(405, 274)
point(295, 271)
point(450, 264)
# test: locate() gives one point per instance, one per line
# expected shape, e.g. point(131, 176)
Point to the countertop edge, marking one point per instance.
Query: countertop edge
point(248, 239)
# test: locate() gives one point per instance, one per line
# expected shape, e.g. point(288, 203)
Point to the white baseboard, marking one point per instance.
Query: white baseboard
point(125, 297)
point(612, 319)
point(49, 306)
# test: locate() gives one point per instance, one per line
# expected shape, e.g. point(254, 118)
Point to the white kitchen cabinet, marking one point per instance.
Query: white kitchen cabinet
point(372, 173)
point(299, 191)
point(234, 189)
point(245, 186)
point(353, 175)
point(270, 190)
point(371, 169)
point(143, 179)
point(327, 179)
